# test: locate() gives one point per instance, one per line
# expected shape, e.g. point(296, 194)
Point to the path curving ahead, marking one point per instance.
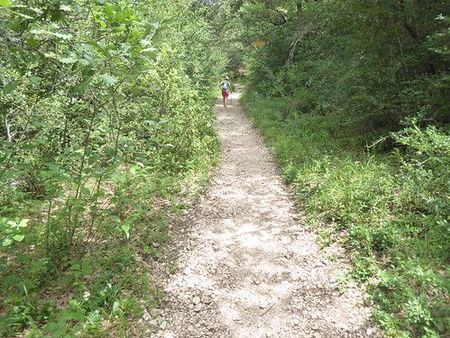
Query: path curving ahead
point(248, 268)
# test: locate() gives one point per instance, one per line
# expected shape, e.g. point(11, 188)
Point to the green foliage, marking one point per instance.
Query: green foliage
point(391, 212)
point(379, 62)
point(105, 108)
point(12, 230)
point(5, 3)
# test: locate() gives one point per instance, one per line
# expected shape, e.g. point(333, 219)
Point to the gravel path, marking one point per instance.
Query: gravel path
point(248, 268)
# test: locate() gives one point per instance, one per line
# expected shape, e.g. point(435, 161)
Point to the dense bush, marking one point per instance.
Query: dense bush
point(96, 100)
point(379, 62)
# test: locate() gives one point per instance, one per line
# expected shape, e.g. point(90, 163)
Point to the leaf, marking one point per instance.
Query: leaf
point(7, 241)
point(65, 8)
point(134, 169)
point(151, 123)
point(10, 87)
point(46, 33)
point(12, 224)
point(5, 3)
point(110, 151)
point(23, 223)
point(116, 308)
point(3, 222)
point(35, 80)
point(126, 229)
point(68, 60)
point(108, 79)
point(85, 192)
point(84, 85)
point(50, 55)
point(28, 17)
point(18, 238)
point(149, 50)
point(63, 36)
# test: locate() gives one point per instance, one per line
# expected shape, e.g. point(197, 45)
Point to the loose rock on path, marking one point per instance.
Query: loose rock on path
point(248, 267)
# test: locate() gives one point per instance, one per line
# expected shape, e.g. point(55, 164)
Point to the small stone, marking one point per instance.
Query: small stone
point(344, 327)
point(146, 316)
point(370, 331)
point(190, 328)
point(163, 325)
point(155, 313)
point(196, 300)
point(198, 307)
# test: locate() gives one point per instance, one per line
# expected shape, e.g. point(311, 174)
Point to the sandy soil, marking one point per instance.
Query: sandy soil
point(248, 267)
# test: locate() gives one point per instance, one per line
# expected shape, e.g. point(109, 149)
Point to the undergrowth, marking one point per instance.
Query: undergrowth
point(106, 131)
point(103, 288)
point(389, 209)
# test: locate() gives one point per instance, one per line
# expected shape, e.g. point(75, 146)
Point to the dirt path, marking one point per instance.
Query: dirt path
point(248, 268)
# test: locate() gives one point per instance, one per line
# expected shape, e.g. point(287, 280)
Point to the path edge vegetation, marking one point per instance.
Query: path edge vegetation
point(107, 135)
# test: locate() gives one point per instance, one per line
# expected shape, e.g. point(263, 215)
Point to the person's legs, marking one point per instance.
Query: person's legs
point(225, 98)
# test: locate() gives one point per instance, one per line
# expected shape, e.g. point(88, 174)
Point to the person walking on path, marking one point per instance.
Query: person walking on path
point(225, 86)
